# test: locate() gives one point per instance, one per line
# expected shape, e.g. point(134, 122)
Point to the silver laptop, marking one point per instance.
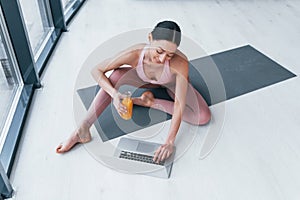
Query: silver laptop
point(142, 151)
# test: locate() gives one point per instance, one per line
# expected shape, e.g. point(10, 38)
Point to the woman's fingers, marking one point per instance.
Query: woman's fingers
point(162, 153)
point(157, 152)
point(118, 104)
point(122, 108)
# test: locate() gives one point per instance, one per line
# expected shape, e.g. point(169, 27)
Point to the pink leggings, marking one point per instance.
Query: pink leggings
point(196, 111)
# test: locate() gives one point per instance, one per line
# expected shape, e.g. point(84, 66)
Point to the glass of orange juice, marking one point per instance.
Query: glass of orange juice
point(127, 101)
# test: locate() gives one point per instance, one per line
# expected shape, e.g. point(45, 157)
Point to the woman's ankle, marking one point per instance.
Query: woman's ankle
point(85, 124)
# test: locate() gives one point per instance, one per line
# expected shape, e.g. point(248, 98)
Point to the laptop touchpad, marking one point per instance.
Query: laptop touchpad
point(147, 148)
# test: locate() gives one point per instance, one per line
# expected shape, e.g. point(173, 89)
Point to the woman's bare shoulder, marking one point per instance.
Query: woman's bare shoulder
point(179, 63)
point(134, 52)
point(135, 49)
point(129, 55)
point(181, 55)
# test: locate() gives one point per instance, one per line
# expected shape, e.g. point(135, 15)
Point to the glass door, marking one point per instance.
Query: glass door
point(39, 25)
point(70, 7)
point(67, 5)
point(10, 82)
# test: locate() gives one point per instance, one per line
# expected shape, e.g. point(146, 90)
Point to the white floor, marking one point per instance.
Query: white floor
point(258, 153)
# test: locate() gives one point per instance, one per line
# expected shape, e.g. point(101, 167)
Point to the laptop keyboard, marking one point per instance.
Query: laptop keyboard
point(139, 157)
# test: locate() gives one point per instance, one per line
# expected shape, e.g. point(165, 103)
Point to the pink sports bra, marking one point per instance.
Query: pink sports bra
point(166, 76)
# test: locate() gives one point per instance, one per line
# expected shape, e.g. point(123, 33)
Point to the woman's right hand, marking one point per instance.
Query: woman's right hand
point(121, 109)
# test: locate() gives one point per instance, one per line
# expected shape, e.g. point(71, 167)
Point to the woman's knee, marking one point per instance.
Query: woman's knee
point(201, 117)
point(116, 75)
point(205, 116)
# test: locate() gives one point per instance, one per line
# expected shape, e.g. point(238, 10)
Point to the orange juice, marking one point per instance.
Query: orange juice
point(127, 101)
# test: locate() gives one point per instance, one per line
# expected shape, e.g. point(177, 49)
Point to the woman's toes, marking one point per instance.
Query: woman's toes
point(148, 98)
point(58, 149)
point(68, 144)
point(62, 148)
point(148, 95)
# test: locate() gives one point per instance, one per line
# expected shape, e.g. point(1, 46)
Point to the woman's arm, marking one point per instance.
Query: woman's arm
point(130, 57)
point(126, 57)
point(179, 106)
point(181, 70)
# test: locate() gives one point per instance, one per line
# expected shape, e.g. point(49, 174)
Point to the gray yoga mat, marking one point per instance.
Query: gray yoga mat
point(217, 77)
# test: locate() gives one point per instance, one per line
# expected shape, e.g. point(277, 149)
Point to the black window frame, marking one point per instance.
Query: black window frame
point(30, 70)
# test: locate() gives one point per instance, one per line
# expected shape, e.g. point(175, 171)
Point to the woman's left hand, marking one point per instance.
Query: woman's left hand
point(163, 152)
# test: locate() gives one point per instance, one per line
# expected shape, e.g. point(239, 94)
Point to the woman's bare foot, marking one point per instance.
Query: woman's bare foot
point(147, 99)
point(81, 135)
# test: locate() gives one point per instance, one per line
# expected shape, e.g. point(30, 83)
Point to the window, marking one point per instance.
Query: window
point(67, 5)
point(10, 82)
point(29, 30)
point(70, 7)
point(36, 14)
